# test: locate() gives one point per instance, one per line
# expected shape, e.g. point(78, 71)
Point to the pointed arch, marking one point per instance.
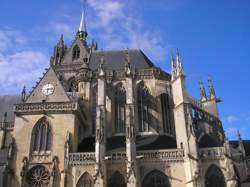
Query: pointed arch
point(76, 52)
point(117, 180)
point(156, 178)
point(144, 107)
point(72, 85)
point(214, 177)
point(41, 136)
point(86, 180)
point(120, 111)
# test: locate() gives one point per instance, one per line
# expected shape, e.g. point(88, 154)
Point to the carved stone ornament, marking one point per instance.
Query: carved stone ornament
point(38, 176)
point(131, 171)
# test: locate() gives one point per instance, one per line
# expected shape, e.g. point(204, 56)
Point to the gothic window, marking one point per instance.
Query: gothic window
point(165, 107)
point(144, 116)
point(120, 103)
point(38, 176)
point(76, 53)
point(72, 85)
point(156, 179)
point(41, 136)
point(214, 177)
point(94, 102)
point(86, 180)
point(117, 180)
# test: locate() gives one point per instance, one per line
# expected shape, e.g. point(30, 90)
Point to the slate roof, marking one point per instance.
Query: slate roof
point(118, 143)
point(246, 144)
point(6, 105)
point(115, 59)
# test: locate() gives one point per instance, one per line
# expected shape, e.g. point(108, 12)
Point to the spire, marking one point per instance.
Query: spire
point(61, 41)
point(82, 31)
point(238, 135)
point(202, 92)
point(179, 67)
point(211, 89)
point(23, 95)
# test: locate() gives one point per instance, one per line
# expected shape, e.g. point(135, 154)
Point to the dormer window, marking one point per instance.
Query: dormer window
point(76, 53)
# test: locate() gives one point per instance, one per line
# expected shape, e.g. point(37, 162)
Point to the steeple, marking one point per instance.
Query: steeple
point(202, 92)
point(82, 31)
point(211, 89)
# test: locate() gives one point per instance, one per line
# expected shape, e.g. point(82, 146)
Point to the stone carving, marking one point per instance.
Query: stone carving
point(66, 153)
point(131, 172)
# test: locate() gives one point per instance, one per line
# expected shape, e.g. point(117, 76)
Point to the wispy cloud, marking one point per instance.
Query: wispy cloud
point(230, 119)
point(19, 65)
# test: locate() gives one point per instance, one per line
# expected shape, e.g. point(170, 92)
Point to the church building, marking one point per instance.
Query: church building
point(112, 118)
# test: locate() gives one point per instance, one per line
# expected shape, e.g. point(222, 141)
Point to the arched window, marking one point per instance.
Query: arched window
point(86, 180)
point(117, 180)
point(76, 53)
point(41, 136)
point(120, 103)
point(166, 116)
point(214, 177)
point(72, 85)
point(94, 102)
point(38, 176)
point(156, 179)
point(144, 115)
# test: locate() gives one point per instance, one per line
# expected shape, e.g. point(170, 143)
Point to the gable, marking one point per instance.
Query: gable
point(58, 95)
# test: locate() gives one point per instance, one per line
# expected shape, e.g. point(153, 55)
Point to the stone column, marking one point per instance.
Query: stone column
point(100, 147)
point(130, 131)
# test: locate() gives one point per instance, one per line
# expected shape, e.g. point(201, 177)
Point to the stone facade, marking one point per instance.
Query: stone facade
point(112, 118)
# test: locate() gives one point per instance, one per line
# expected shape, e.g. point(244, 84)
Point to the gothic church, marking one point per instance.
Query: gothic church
point(111, 118)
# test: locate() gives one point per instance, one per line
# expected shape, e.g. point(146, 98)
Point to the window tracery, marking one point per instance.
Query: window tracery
point(86, 180)
point(166, 116)
point(120, 103)
point(41, 136)
point(76, 53)
point(38, 176)
point(156, 179)
point(144, 108)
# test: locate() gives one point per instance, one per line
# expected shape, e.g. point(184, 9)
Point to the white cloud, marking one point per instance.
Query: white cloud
point(230, 119)
point(120, 29)
point(19, 63)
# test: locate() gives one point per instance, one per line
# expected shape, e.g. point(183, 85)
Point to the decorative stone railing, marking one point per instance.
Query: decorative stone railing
point(162, 155)
point(76, 159)
point(42, 107)
point(7, 125)
point(212, 153)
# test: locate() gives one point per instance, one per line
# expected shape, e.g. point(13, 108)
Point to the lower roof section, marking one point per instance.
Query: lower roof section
point(118, 143)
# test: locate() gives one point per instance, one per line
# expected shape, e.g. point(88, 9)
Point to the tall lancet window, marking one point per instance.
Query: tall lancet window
point(166, 110)
point(94, 103)
point(144, 111)
point(76, 53)
point(41, 136)
point(120, 103)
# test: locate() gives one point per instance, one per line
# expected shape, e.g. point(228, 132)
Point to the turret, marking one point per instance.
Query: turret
point(59, 52)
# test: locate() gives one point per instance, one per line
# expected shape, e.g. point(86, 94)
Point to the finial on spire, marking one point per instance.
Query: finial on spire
point(127, 63)
point(202, 91)
point(101, 71)
point(211, 89)
point(23, 95)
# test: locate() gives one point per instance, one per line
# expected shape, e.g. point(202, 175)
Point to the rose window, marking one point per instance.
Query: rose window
point(38, 176)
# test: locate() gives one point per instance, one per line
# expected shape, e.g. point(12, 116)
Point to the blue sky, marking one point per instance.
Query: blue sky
point(213, 37)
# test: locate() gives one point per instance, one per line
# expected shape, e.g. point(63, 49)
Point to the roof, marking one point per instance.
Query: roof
point(246, 144)
point(118, 143)
point(6, 105)
point(115, 59)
